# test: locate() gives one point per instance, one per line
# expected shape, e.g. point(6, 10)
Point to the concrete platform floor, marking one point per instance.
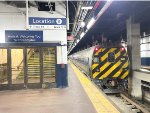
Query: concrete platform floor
point(72, 99)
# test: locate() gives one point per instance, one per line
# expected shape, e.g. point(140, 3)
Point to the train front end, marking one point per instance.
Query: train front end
point(110, 68)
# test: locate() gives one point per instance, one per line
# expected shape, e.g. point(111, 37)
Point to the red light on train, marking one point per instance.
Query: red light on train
point(122, 49)
point(96, 49)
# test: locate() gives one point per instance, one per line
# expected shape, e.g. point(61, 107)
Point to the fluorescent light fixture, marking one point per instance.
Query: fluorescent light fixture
point(82, 34)
point(87, 7)
point(91, 22)
point(82, 24)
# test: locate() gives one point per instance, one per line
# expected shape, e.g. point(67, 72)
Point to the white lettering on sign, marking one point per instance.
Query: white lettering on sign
point(58, 21)
point(45, 21)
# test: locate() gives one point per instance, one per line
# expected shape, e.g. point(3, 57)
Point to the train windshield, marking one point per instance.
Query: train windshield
point(111, 57)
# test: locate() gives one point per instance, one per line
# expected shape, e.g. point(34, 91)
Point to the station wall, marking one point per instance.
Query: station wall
point(12, 18)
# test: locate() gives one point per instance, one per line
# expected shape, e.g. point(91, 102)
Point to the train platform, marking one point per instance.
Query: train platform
point(82, 96)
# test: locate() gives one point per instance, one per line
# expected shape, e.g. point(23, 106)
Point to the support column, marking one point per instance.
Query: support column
point(61, 67)
point(133, 46)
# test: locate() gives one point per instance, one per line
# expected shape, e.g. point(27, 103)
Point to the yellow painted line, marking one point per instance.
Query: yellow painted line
point(99, 101)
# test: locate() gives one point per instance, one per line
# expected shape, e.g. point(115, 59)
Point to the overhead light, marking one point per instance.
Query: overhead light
point(87, 7)
point(82, 34)
point(91, 22)
point(82, 24)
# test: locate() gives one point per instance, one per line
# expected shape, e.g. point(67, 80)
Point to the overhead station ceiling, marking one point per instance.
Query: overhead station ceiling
point(112, 24)
point(41, 5)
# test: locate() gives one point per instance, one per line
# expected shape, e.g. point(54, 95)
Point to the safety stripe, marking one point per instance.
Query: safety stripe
point(104, 65)
point(101, 69)
point(110, 70)
point(95, 74)
point(94, 66)
point(120, 71)
point(104, 68)
point(104, 51)
point(104, 56)
point(115, 70)
point(105, 61)
point(125, 75)
point(117, 73)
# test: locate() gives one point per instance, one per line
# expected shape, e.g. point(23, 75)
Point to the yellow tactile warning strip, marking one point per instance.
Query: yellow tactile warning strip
point(100, 102)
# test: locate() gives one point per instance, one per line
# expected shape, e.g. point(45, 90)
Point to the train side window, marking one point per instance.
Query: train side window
point(96, 60)
point(111, 57)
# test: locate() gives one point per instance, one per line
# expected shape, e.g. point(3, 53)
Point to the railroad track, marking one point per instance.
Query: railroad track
point(134, 104)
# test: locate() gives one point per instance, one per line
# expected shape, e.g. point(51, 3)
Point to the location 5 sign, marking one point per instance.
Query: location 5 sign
point(47, 23)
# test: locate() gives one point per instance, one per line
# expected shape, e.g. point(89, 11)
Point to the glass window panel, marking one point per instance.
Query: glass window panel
point(33, 62)
point(17, 66)
point(3, 67)
point(49, 65)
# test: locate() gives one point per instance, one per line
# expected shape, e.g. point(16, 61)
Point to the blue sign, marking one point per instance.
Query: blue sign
point(23, 36)
point(47, 23)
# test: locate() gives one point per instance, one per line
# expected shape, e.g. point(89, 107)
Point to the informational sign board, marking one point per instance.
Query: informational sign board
point(23, 36)
point(47, 23)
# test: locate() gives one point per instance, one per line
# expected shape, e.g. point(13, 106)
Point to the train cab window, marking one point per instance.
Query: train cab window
point(96, 60)
point(111, 57)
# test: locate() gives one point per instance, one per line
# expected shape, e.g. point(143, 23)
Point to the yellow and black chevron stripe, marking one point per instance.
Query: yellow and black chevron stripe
point(117, 69)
